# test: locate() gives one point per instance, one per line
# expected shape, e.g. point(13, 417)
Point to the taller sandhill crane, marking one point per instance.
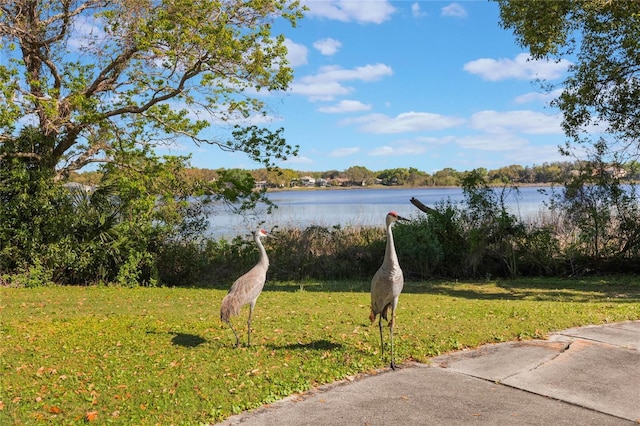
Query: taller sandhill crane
point(386, 286)
point(246, 289)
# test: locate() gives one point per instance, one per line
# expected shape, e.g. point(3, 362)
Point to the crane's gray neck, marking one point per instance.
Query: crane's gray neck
point(390, 256)
point(263, 253)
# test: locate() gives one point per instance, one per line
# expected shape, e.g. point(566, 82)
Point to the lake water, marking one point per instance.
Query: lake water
point(354, 207)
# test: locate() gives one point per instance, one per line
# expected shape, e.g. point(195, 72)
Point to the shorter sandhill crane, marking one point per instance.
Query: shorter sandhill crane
point(386, 286)
point(246, 289)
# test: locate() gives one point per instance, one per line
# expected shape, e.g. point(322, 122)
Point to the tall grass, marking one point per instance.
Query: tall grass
point(428, 248)
point(161, 355)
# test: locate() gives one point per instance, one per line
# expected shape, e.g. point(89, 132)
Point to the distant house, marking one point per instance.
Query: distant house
point(615, 172)
point(339, 182)
point(307, 181)
point(322, 182)
point(611, 171)
point(260, 184)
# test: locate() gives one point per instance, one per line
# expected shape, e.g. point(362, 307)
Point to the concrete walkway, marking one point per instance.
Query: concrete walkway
point(581, 376)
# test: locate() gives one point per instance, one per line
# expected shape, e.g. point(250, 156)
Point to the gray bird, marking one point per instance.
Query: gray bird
point(386, 286)
point(246, 289)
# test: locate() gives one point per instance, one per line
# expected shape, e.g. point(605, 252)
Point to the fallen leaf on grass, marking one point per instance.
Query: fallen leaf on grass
point(91, 416)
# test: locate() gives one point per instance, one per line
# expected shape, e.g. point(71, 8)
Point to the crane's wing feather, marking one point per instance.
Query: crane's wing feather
point(244, 290)
point(386, 285)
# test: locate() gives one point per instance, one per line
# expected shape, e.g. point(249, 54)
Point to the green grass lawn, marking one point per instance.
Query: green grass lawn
point(161, 355)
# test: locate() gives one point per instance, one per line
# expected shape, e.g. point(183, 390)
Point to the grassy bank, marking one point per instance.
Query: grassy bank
point(162, 356)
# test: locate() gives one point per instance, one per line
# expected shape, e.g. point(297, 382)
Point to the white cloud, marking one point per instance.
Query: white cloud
point(537, 97)
point(537, 154)
point(416, 12)
point(434, 141)
point(344, 152)
point(345, 106)
point(320, 91)
point(85, 29)
point(529, 122)
point(364, 12)
point(520, 68)
point(327, 46)
point(405, 122)
point(363, 73)
point(325, 85)
point(400, 148)
point(382, 150)
point(296, 53)
point(492, 142)
point(455, 10)
point(221, 117)
point(297, 160)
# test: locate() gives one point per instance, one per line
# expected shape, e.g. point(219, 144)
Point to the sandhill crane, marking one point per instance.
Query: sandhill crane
point(386, 286)
point(246, 289)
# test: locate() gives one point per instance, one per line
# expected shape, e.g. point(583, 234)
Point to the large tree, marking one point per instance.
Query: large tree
point(97, 77)
point(601, 95)
point(108, 82)
point(600, 102)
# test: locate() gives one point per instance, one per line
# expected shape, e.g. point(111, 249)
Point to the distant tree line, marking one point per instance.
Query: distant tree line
point(554, 172)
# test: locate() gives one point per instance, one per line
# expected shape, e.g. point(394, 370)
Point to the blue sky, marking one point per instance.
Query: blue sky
point(387, 84)
point(424, 84)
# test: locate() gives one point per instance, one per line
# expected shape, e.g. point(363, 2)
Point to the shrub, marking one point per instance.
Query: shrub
point(326, 253)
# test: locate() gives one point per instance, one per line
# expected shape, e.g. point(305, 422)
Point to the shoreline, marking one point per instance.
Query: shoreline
point(396, 187)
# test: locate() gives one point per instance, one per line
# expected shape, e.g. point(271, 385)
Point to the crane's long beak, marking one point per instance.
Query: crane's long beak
point(403, 218)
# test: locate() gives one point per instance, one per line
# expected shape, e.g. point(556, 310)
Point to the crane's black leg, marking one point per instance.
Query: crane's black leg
point(249, 325)
point(391, 324)
point(381, 341)
point(393, 363)
point(234, 333)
